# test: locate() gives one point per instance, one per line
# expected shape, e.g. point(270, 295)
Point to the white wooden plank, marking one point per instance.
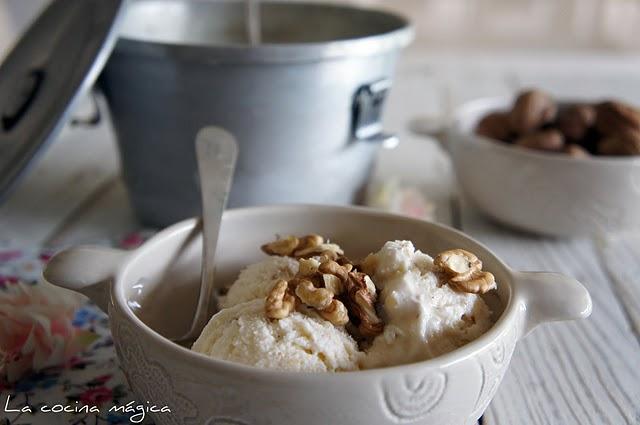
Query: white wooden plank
point(79, 161)
point(621, 257)
point(572, 373)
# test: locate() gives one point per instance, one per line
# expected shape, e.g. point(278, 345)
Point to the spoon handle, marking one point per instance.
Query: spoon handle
point(216, 152)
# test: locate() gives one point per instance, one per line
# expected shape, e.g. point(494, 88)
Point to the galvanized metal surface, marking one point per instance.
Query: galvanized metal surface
point(181, 66)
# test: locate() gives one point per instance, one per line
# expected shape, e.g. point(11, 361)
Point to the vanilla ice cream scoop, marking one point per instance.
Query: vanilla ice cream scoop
point(423, 318)
point(298, 342)
point(255, 281)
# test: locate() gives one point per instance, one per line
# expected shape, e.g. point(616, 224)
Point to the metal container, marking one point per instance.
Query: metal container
point(304, 104)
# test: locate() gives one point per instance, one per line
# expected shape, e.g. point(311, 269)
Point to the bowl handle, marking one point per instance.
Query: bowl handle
point(87, 269)
point(549, 297)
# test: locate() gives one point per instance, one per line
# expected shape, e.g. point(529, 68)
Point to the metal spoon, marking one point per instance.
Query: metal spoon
point(216, 152)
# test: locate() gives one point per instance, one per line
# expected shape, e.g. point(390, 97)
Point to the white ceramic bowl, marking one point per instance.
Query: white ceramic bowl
point(156, 285)
point(541, 192)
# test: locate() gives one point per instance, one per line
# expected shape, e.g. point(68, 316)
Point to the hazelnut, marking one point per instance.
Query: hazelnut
point(531, 110)
point(576, 151)
point(494, 126)
point(575, 121)
point(544, 140)
point(617, 117)
point(624, 143)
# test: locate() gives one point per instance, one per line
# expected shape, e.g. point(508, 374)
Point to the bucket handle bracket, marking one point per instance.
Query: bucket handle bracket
point(367, 111)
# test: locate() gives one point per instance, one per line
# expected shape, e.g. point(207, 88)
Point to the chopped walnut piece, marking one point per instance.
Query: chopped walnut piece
point(333, 283)
point(371, 287)
point(361, 298)
point(369, 265)
point(333, 268)
point(457, 264)
point(336, 313)
point(308, 242)
point(279, 302)
point(283, 247)
point(330, 250)
point(303, 247)
point(481, 283)
point(318, 298)
point(462, 270)
point(308, 267)
point(324, 274)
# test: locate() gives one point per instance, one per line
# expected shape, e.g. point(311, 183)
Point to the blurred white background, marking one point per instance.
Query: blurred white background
point(550, 24)
point(555, 24)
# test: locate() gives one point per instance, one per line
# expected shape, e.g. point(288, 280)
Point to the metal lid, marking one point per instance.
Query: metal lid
point(57, 59)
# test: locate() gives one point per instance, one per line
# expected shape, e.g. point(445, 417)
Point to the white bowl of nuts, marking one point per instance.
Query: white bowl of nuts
point(280, 350)
point(561, 169)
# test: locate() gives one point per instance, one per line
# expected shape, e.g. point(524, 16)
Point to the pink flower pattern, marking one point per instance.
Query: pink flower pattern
point(36, 328)
point(56, 348)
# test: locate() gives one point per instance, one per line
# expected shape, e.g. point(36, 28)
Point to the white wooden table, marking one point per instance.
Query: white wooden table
point(567, 374)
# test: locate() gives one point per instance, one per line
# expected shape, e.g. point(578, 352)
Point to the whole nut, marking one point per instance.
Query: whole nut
point(531, 110)
point(494, 126)
point(624, 143)
point(575, 121)
point(617, 117)
point(576, 151)
point(545, 140)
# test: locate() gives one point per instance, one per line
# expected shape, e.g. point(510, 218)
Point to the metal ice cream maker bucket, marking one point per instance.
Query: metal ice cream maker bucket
point(304, 105)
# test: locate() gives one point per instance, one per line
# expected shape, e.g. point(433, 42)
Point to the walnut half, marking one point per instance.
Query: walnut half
point(318, 298)
point(303, 247)
point(462, 270)
point(280, 302)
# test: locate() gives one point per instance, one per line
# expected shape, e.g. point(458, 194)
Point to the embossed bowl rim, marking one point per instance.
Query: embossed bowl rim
point(503, 324)
point(469, 111)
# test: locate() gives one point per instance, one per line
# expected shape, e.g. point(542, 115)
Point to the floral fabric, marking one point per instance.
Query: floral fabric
point(91, 382)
